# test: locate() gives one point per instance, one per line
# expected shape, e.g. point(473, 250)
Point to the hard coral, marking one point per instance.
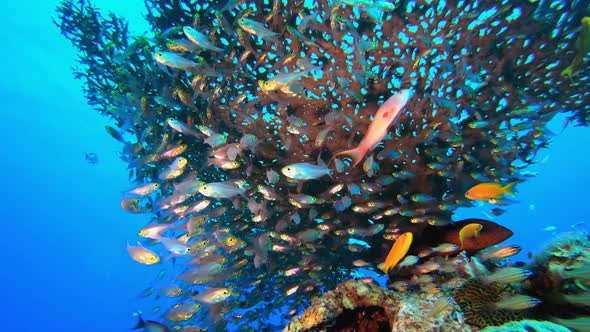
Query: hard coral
point(361, 305)
point(364, 306)
point(423, 313)
point(477, 300)
point(561, 277)
point(566, 252)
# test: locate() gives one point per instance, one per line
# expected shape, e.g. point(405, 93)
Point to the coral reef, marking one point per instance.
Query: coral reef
point(477, 300)
point(527, 326)
point(562, 278)
point(355, 303)
point(566, 252)
point(300, 82)
point(362, 305)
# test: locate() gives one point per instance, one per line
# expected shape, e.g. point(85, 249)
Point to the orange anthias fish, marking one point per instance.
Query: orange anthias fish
point(398, 251)
point(385, 116)
point(489, 191)
point(469, 231)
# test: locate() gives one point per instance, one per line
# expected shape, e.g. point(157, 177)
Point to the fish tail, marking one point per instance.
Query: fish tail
point(356, 154)
point(509, 188)
point(140, 322)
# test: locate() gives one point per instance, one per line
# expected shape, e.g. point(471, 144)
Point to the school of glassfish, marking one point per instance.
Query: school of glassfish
point(279, 145)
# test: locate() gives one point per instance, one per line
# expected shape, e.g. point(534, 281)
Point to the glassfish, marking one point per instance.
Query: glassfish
point(258, 29)
point(131, 204)
point(220, 189)
point(305, 171)
point(142, 255)
point(174, 60)
point(199, 39)
point(213, 295)
point(145, 189)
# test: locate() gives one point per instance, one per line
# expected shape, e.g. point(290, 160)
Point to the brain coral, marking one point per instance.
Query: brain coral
point(477, 299)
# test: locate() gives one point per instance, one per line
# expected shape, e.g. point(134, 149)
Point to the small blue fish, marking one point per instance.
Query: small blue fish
point(91, 158)
point(305, 171)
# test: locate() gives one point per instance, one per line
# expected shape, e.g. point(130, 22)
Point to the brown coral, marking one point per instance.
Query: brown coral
point(477, 299)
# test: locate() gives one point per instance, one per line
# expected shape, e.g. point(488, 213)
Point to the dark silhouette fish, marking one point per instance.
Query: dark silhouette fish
point(91, 158)
point(150, 326)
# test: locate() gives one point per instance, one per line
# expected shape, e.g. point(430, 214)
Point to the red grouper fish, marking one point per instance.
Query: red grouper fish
point(488, 235)
point(385, 116)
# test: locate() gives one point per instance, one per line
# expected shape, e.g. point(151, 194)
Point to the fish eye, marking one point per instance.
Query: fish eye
point(156, 185)
point(205, 188)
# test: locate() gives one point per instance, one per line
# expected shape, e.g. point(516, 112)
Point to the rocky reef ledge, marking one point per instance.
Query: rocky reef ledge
point(363, 305)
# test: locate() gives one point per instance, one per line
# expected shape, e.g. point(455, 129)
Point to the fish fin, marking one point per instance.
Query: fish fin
point(356, 154)
point(323, 164)
point(214, 313)
point(170, 257)
point(140, 323)
point(299, 186)
point(509, 188)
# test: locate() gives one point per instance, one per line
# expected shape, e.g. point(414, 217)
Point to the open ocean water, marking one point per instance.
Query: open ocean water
point(65, 266)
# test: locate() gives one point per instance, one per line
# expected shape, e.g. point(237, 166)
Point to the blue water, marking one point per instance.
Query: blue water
point(63, 232)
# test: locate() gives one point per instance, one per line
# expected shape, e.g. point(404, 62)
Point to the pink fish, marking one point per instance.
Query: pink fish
point(386, 115)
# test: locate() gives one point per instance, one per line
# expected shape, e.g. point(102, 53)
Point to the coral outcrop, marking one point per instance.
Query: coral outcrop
point(562, 280)
point(477, 300)
point(363, 305)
